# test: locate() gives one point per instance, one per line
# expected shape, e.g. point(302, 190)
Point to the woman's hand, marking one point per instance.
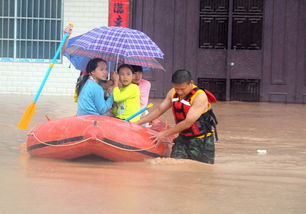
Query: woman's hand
point(109, 83)
point(68, 30)
point(115, 78)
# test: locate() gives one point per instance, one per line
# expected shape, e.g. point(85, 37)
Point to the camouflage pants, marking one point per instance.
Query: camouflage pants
point(199, 149)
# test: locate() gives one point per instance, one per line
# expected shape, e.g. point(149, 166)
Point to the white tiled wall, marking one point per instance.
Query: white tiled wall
point(25, 78)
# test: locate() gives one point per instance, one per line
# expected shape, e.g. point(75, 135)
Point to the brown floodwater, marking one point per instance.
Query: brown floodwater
point(260, 167)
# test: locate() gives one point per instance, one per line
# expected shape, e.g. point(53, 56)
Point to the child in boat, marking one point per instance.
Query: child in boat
point(144, 85)
point(126, 94)
point(90, 93)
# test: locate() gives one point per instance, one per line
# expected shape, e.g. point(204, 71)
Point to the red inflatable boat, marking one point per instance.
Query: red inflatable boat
point(107, 137)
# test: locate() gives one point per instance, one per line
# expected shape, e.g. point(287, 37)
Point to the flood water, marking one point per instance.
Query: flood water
point(242, 180)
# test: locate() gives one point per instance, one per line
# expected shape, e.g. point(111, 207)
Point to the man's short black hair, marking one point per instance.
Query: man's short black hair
point(181, 76)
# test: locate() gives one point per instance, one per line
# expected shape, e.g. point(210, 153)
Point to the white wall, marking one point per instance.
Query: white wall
point(25, 78)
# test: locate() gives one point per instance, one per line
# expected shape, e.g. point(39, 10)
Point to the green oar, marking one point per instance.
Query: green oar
point(29, 112)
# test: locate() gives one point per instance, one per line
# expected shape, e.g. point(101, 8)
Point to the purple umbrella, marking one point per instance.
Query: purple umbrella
point(120, 45)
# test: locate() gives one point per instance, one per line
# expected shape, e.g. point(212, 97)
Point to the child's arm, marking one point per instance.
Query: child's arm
point(130, 91)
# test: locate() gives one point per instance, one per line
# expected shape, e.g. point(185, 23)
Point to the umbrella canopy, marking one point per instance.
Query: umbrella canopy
point(79, 62)
point(116, 44)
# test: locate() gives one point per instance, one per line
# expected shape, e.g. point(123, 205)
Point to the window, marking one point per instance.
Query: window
point(213, 24)
point(246, 24)
point(30, 30)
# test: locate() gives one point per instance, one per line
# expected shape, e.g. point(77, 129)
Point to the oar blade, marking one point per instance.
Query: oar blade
point(27, 116)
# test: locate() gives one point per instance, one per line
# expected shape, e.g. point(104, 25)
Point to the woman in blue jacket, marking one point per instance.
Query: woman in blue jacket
point(90, 94)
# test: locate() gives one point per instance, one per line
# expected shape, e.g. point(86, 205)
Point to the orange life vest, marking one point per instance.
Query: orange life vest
point(204, 125)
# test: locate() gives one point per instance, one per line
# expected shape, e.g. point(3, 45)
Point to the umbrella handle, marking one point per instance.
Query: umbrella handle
point(70, 25)
point(139, 112)
point(109, 69)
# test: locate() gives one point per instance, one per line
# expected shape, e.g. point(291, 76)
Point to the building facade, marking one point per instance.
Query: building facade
point(29, 31)
point(250, 50)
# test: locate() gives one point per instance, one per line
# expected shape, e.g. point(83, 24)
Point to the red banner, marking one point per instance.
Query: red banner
point(119, 13)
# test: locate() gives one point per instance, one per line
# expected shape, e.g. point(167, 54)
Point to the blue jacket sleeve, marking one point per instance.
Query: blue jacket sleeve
point(101, 104)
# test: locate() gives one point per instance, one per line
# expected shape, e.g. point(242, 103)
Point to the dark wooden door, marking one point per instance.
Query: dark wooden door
point(231, 47)
point(301, 54)
point(284, 71)
point(176, 26)
point(155, 18)
point(242, 50)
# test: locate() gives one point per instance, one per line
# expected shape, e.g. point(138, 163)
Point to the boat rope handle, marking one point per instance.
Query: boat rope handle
point(48, 144)
point(129, 150)
point(76, 143)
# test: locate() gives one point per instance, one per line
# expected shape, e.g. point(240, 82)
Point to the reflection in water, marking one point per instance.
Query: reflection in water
point(241, 181)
